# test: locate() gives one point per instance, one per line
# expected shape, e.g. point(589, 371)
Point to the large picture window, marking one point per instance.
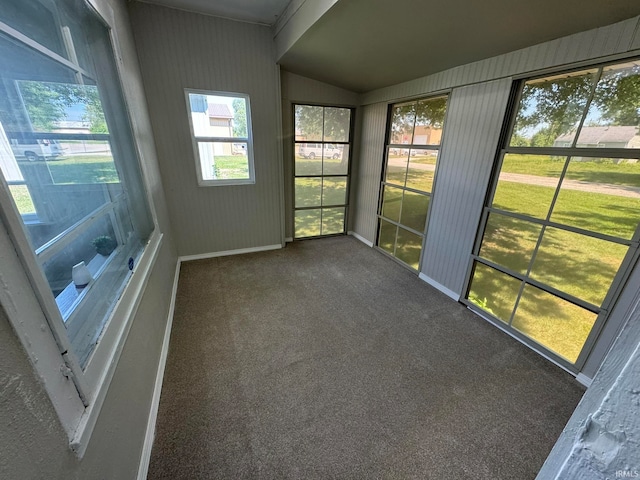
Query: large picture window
point(561, 225)
point(411, 156)
point(72, 194)
point(221, 128)
point(322, 147)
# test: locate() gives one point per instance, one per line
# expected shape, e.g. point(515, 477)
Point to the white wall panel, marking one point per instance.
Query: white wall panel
point(635, 42)
point(472, 130)
point(179, 50)
point(369, 171)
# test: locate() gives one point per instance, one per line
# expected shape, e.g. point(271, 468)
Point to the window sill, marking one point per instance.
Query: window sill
point(222, 183)
point(105, 358)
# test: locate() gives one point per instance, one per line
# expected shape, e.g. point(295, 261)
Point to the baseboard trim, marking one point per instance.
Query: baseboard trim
point(143, 468)
point(226, 253)
point(438, 286)
point(584, 380)
point(288, 239)
point(361, 238)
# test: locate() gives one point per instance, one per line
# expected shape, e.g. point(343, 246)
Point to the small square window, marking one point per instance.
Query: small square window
point(221, 129)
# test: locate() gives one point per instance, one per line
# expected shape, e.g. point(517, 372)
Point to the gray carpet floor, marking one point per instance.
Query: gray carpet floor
point(328, 360)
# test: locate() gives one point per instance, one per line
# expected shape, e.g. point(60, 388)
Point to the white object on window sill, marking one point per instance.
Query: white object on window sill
point(81, 275)
point(68, 298)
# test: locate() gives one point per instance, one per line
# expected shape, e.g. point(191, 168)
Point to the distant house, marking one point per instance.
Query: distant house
point(212, 120)
point(220, 120)
point(427, 135)
point(602, 137)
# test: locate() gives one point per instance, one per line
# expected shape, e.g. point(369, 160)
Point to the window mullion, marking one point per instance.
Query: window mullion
point(586, 107)
point(12, 32)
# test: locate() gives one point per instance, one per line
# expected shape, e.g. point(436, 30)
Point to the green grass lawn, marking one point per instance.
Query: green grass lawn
point(406, 207)
point(83, 169)
point(231, 167)
point(319, 191)
point(76, 169)
point(607, 214)
point(579, 265)
point(22, 198)
point(318, 166)
point(319, 221)
point(559, 325)
point(595, 170)
point(411, 175)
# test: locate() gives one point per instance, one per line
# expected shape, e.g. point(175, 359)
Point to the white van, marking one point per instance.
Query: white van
point(41, 149)
point(314, 150)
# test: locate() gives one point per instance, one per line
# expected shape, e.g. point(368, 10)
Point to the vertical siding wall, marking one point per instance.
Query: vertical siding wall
point(474, 120)
point(367, 181)
point(179, 50)
point(299, 89)
point(477, 105)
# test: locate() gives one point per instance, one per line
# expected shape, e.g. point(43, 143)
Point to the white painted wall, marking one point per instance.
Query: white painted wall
point(179, 50)
point(368, 176)
point(602, 438)
point(33, 444)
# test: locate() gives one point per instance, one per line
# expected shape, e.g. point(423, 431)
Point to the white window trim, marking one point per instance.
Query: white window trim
point(76, 395)
point(202, 182)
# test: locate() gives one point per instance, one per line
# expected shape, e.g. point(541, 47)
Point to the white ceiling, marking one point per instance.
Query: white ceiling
point(256, 11)
point(362, 45)
point(367, 44)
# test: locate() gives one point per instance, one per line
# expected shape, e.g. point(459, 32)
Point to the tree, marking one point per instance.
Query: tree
point(618, 96)
point(549, 109)
point(337, 122)
point(403, 118)
point(46, 103)
point(426, 113)
point(239, 118)
point(322, 123)
point(94, 113)
point(431, 112)
point(308, 122)
point(519, 140)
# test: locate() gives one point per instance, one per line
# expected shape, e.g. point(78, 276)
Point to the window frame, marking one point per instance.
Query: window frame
point(77, 394)
point(605, 309)
point(388, 146)
point(322, 144)
point(196, 139)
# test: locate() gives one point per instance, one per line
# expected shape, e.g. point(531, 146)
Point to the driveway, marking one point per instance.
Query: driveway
point(567, 183)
